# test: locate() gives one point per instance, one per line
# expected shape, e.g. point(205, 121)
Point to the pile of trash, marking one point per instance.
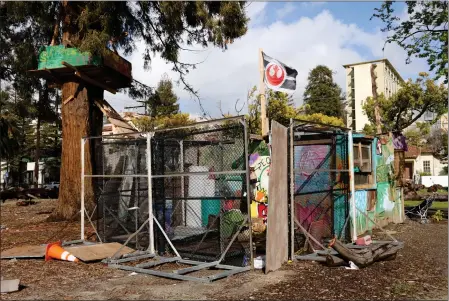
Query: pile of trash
point(363, 253)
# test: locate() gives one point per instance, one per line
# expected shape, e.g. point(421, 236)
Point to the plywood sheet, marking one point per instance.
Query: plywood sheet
point(97, 252)
point(24, 252)
point(277, 226)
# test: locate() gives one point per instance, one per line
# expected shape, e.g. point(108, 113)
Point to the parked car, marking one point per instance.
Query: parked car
point(52, 185)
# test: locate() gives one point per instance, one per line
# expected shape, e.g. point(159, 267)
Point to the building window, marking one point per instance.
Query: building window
point(362, 163)
point(426, 166)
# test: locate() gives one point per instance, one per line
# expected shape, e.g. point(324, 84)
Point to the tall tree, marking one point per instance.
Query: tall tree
point(164, 100)
point(423, 34)
point(322, 94)
point(281, 108)
point(412, 100)
point(90, 26)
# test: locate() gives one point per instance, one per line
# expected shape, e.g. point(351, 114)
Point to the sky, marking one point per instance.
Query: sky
point(299, 34)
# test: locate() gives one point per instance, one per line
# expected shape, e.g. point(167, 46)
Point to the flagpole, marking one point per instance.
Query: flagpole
point(263, 108)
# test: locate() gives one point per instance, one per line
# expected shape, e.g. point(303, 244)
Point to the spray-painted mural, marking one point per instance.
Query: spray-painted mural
point(314, 204)
point(260, 171)
point(383, 201)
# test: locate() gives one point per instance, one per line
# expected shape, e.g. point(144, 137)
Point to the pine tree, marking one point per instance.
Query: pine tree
point(322, 94)
point(91, 26)
point(164, 101)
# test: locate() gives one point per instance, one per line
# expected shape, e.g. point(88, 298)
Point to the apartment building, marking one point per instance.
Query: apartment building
point(359, 87)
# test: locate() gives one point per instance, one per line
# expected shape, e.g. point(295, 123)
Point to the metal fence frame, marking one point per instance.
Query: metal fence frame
point(150, 252)
point(315, 127)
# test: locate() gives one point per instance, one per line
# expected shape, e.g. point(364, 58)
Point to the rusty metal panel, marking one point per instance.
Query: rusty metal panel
point(277, 226)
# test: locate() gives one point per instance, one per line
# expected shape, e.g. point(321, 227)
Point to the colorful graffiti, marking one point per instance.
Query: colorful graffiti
point(308, 158)
point(260, 171)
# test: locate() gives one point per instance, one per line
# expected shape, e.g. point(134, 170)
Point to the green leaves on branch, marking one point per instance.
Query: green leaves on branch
point(412, 100)
point(280, 107)
point(424, 34)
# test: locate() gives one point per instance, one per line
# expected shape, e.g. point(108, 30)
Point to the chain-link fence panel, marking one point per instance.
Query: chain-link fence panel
point(197, 193)
point(200, 191)
point(320, 184)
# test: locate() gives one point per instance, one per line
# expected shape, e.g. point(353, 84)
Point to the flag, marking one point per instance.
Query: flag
point(278, 76)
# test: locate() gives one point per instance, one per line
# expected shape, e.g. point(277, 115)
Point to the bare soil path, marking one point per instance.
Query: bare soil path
point(419, 272)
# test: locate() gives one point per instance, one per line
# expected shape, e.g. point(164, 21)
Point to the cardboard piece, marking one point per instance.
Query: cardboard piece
point(83, 252)
point(24, 252)
point(9, 286)
point(97, 252)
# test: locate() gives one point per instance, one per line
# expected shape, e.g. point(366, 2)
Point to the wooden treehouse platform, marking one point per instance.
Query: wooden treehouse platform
point(59, 64)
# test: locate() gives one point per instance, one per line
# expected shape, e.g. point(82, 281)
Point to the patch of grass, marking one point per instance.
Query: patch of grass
point(401, 288)
point(435, 205)
point(425, 192)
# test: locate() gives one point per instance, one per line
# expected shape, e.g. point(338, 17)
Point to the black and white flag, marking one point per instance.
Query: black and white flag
point(278, 76)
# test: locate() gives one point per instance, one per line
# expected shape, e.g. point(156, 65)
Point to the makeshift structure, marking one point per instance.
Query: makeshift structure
point(180, 192)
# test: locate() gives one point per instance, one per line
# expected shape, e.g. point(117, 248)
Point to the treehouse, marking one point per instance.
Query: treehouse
point(59, 64)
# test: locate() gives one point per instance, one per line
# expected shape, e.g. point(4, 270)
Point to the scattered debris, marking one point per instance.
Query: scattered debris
point(25, 203)
point(86, 252)
point(352, 266)
point(9, 286)
point(366, 256)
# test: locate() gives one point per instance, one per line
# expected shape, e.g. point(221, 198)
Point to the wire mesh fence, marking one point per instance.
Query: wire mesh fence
point(197, 193)
point(320, 184)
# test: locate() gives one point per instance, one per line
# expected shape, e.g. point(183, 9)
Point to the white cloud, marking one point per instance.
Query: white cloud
point(227, 76)
point(286, 10)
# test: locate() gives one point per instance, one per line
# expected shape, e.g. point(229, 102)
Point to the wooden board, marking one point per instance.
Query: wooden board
point(97, 252)
point(277, 224)
point(24, 252)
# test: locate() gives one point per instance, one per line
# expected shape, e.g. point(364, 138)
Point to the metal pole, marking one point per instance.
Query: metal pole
point(352, 186)
point(292, 191)
point(150, 194)
point(183, 202)
point(82, 188)
point(248, 193)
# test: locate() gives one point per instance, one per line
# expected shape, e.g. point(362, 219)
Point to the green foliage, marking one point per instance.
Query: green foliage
point(418, 136)
point(322, 94)
point(280, 107)
point(147, 124)
point(444, 171)
point(93, 26)
point(438, 143)
point(321, 118)
point(438, 216)
point(411, 101)
point(423, 174)
point(423, 35)
point(164, 100)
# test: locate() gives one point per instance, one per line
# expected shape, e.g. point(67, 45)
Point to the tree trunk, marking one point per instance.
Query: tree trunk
point(80, 118)
point(376, 103)
point(37, 152)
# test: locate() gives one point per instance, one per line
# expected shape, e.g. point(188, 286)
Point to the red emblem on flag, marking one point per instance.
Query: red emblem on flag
point(275, 74)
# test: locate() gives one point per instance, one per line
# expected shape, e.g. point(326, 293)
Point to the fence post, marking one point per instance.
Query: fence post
point(352, 186)
point(150, 194)
point(292, 191)
point(248, 193)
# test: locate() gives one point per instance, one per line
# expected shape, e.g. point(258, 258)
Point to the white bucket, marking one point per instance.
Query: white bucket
point(259, 262)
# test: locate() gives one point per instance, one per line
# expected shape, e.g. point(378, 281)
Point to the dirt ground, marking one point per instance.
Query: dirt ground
point(419, 272)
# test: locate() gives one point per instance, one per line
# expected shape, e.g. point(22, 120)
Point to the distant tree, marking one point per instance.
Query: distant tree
point(418, 136)
point(147, 123)
point(281, 108)
point(437, 141)
point(413, 99)
point(322, 94)
point(95, 26)
point(424, 34)
point(163, 102)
